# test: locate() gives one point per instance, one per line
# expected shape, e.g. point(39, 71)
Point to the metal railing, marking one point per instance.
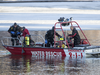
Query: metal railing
point(35, 38)
point(7, 40)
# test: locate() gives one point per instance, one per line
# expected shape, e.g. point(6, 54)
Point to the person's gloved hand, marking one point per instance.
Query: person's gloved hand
point(12, 32)
point(18, 33)
point(46, 41)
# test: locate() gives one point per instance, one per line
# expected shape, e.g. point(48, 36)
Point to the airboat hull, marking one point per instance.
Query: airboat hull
point(72, 52)
point(43, 51)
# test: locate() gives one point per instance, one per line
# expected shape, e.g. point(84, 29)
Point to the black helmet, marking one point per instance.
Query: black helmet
point(15, 24)
point(23, 27)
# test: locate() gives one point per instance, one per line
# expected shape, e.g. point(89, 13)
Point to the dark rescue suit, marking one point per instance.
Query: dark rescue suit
point(14, 31)
point(76, 37)
point(50, 37)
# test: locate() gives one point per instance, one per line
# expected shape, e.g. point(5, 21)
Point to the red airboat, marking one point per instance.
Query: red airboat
point(70, 51)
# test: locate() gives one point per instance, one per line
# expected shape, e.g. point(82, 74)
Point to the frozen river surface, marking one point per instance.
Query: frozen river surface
point(43, 15)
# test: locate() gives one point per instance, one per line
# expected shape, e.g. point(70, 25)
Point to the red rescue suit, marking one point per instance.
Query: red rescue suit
point(25, 32)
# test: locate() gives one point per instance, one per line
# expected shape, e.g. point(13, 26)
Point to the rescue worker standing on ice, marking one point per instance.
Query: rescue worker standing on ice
point(49, 37)
point(75, 35)
point(14, 30)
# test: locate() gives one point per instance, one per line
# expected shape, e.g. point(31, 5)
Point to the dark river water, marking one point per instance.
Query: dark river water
point(36, 65)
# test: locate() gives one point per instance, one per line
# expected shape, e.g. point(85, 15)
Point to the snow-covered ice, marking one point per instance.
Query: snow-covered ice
point(42, 16)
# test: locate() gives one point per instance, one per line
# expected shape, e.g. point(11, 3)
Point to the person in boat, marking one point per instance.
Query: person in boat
point(75, 35)
point(49, 37)
point(27, 37)
point(14, 30)
point(24, 31)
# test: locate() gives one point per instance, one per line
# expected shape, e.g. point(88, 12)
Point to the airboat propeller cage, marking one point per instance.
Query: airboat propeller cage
point(71, 23)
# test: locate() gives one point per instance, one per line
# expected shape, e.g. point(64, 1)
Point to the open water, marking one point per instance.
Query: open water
point(36, 65)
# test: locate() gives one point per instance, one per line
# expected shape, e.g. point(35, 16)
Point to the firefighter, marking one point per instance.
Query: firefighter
point(49, 37)
point(75, 35)
point(14, 30)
